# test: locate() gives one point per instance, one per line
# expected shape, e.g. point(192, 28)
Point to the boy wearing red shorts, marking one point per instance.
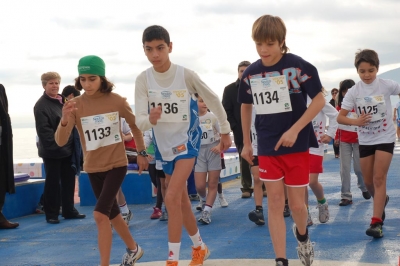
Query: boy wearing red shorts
point(277, 85)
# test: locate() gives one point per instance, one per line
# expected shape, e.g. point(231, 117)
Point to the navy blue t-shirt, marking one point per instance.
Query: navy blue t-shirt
point(303, 80)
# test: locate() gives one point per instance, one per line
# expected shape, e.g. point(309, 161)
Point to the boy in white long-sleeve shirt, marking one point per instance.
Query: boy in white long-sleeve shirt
point(165, 101)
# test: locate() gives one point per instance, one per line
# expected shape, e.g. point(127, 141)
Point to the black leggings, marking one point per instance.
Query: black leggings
point(155, 176)
point(105, 186)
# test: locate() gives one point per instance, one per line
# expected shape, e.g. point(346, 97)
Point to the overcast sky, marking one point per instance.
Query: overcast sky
point(209, 37)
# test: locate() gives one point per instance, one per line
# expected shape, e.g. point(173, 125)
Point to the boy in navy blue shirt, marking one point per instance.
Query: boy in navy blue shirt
point(277, 85)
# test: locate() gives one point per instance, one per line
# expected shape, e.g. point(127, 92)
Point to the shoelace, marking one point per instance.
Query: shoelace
point(196, 256)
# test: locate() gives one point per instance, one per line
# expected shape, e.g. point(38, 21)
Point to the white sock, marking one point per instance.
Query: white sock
point(174, 251)
point(207, 208)
point(204, 199)
point(197, 241)
point(135, 250)
point(124, 208)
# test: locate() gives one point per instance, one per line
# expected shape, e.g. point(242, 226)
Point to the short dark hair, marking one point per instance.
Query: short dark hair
point(244, 63)
point(344, 86)
point(368, 56)
point(333, 90)
point(155, 32)
point(105, 87)
point(70, 89)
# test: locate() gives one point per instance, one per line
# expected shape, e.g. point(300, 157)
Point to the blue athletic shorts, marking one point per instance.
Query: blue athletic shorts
point(169, 166)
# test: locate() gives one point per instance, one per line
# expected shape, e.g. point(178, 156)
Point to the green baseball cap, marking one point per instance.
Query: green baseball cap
point(92, 64)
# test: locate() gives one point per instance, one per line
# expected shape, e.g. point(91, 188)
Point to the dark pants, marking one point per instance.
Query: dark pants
point(59, 171)
point(245, 174)
point(335, 148)
point(105, 186)
point(155, 179)
point(2, 200)
point(191, 186)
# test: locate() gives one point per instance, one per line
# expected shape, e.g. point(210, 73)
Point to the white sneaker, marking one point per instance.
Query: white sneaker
point(127, 217)
point(323, 212)
point(201, 205)
point(309, 220)
point(205, 217)
point(305, 250)
point(130, 258)
point(222, 200)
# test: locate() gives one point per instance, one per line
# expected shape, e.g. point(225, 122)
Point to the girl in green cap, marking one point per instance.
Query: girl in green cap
point(96, 114)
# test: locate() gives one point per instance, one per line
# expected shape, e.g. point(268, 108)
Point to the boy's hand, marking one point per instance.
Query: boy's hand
point(67, 109)
point(225, 142)
point(216, 149)
point(363, 119)
point(150, 158)
point(326, 139)
point(287, 140)
point(142, 163)
point(247, 154)
point(155, 114)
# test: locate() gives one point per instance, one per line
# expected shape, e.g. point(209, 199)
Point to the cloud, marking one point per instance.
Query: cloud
point(339, 11)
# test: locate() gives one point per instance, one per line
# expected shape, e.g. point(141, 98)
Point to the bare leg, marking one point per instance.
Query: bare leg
point(258, 191)
point(200, 180)
point(177, 201)
point(213, 179)
point(316, 187)
point(276, 222)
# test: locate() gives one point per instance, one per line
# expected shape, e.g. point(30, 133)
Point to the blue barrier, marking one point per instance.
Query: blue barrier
point(24, 201)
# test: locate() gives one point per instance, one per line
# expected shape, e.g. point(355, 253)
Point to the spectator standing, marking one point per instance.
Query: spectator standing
point(57, 160)
point(6, 158)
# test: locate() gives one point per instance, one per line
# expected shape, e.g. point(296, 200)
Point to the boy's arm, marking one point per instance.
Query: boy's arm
point(332, 114)
point(289, 137)
point(141, 103)
point(211, 99)
point(394, 114)
point(247, 152)
point(214, 104)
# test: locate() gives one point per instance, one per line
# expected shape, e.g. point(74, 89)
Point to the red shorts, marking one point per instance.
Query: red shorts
point(292, 168)
point(316, 164)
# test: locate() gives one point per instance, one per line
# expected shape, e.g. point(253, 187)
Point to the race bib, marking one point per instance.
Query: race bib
point(374, 105)
point(270, 95)
point(101, 130)
point(351, 128)
point(207, 136)
point(174, 104)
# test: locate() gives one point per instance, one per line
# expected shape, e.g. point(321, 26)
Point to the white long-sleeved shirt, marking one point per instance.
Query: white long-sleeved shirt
point(319, 125)
point(193, 83)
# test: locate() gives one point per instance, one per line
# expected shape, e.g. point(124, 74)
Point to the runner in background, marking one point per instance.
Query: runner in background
point(317, 157)
point(370, 97)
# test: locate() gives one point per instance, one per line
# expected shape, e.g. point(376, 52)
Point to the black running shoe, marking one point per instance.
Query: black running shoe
point(257, 217)
point(375, 230)
point(286, 211)
point(384, 214)
point(366, 195)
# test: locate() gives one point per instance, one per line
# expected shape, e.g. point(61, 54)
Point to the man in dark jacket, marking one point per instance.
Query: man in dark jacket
point(6, 158)
point(232, 108)
point(57, 160)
